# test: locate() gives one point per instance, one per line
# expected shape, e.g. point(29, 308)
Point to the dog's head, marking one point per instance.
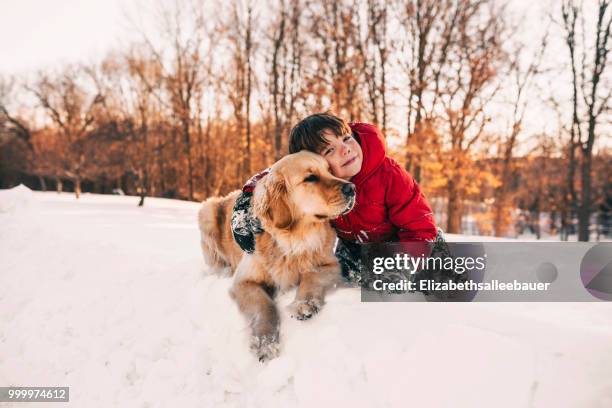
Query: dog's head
point(301, 188)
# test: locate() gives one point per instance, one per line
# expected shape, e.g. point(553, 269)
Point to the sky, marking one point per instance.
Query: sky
point(41, 35)
point(38, 34)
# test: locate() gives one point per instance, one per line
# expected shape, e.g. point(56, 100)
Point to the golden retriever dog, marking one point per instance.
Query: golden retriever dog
point(294, 203)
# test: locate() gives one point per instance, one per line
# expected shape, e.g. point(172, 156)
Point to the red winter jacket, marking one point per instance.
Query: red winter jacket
point(389, 205)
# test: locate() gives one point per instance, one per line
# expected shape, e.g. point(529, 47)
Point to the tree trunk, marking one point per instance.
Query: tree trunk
point(77, 187)
point(275, 83)
point(536, 223)
point(454, 209)
point(499, 226)
point(59, 185)
point(187, 139)
point(144, 180)
point(584, 211)
point(160, 163)
point(207, 165)
point(564, 230)
point(43, 184)
point(248, 49)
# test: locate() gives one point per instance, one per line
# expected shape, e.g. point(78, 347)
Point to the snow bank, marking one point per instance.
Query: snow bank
point(16, 199)
point(115, 301)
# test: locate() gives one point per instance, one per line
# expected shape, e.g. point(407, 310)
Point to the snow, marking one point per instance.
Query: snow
point(16, 199)
point(116, 302)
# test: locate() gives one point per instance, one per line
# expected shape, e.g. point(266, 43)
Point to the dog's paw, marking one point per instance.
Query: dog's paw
point(265, 347)
point(305, 309)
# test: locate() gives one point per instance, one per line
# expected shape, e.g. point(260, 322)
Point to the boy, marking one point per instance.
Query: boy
point(389, 205)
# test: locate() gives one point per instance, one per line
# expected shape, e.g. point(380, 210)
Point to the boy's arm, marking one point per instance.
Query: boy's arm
point(408, 208)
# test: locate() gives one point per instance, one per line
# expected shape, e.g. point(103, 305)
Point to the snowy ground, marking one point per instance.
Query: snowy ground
point(116, 302)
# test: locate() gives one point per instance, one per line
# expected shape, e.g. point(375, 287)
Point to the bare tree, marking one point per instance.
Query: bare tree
point(285, 70)
point(70, 107)
point(590, 96)
point(522, 75)
point(374, 52)
point(429, 31)
point(184, 63)
point(335, 66)
point(9, 123)
point(129, 82)
point(239, 85)
point(465, 89)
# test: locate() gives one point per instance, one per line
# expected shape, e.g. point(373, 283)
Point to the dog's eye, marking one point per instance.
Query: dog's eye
point(311, 179)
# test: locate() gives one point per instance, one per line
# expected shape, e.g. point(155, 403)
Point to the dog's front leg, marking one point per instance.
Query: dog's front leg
point(310, 294)
point(255, 302)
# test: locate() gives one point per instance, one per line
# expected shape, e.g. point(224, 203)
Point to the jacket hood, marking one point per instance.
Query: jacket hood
point(372, 147)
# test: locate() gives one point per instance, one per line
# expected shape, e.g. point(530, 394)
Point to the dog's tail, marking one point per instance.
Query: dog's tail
point(211, 232)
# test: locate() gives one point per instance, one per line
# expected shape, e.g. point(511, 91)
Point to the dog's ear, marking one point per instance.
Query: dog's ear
point(271, 203)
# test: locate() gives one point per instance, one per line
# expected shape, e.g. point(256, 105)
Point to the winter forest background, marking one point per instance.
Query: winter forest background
point(501, 110)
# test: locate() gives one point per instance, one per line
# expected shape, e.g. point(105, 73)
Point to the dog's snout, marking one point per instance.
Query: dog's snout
point(348, 189)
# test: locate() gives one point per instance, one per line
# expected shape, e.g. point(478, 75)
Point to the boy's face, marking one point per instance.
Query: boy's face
point(343, 154)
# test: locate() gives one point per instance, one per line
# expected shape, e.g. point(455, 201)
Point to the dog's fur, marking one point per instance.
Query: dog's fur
point(294, 204)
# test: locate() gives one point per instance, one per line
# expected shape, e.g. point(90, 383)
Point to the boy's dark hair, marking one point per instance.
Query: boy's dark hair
point(307, 134)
